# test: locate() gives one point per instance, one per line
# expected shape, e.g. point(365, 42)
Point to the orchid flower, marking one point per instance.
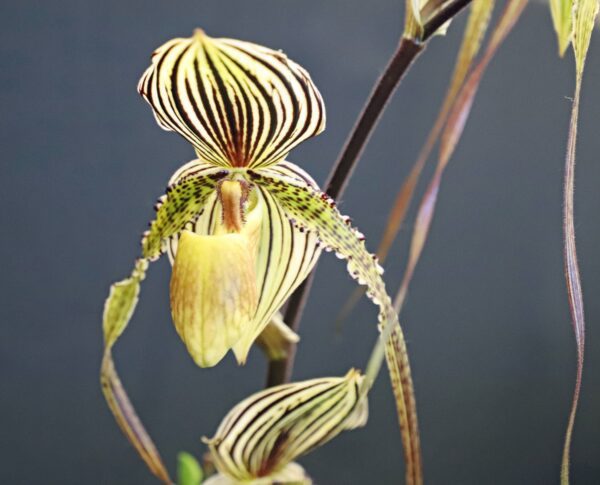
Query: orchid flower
point(241, 225)
point(261, 436)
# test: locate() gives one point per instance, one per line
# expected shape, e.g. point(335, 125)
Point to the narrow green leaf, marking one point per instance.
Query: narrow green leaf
point(189, 471)
point(584, 17)
point(561, 18)
point(585, 12)
point(477, 24)
point(456, 121)
point(316, 212)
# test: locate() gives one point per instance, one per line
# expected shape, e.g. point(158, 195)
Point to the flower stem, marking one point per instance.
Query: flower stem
point(279, 371)
point(398, 65)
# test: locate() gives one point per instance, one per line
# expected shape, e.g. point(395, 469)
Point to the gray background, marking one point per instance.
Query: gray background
point(487, 322)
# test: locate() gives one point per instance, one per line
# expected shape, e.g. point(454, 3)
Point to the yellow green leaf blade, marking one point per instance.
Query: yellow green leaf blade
point(584, 18)
point(316, 212)
point(561, 19)
point(118, 309)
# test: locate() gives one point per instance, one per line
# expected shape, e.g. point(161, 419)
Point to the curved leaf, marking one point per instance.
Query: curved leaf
point(457, 118)
point(584, 16)
point(477, 24)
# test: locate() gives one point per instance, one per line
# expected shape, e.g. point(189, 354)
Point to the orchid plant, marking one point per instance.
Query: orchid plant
point(243, 227)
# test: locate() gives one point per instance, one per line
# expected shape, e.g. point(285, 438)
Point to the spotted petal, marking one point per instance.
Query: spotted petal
point(315, 211)
point(185, 199)
point(239, 104)
point(183, 202)
point(268, 430)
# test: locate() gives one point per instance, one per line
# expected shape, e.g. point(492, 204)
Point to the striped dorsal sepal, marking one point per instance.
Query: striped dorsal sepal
point(239, 104)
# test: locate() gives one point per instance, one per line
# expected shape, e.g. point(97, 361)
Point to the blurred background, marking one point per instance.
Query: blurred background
point(487, 320)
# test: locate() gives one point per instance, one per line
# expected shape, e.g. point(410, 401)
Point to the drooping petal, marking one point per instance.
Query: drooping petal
point(184, 201)
point(315, 211)
point(285, 256)
point(118, 309)
point(238, 103)
point(269, 429)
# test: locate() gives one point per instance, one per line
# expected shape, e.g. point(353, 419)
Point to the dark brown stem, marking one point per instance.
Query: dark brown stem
point(398, 65)
point(279, 371)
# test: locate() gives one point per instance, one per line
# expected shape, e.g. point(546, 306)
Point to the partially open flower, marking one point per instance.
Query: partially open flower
point(263, 434)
